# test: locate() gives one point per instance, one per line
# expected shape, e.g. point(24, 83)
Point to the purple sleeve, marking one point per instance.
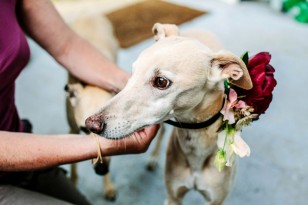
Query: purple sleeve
point(14, 55)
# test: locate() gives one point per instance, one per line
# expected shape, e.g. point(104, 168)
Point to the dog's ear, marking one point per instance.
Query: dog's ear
point(73, 92)
point(225, 65)
point(161, 31)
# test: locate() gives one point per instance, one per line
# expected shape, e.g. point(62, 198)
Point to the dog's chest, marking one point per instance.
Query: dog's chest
point(197, 147)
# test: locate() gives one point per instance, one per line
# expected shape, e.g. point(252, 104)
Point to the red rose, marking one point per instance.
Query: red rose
point(262, 77)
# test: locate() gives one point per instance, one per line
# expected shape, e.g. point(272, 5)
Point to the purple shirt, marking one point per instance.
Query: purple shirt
point(14, 55)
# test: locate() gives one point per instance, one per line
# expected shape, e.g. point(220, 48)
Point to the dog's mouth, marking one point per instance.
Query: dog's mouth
point(142, 132)
point(136, 140)
point(94, 124)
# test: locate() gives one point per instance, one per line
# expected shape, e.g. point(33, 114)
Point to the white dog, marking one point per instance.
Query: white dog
point(182, 78)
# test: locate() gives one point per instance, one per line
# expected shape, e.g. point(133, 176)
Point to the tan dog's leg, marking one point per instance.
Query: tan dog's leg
point(212, 184)
point(73, 130)
point(76, 91)
point(74, 174)
point(153, 161)
point(102, 168)
point(109, 188)
point(176, 198)
point(177, 173)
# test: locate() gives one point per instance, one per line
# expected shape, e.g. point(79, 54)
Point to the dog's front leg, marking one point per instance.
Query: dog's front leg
point(175, 197)
point(176, 188)
point(74, 171)
point(217, 201)
point(177, 174)
point(215, 185)
point(109, 188)
point(153, 161)
point(74, 175)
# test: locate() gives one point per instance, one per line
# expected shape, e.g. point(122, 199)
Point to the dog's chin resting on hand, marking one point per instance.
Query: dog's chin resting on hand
point(179, 77)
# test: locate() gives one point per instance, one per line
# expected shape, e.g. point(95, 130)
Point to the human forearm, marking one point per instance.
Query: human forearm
point(86, 63)
point(43, 23)
point(21, 152)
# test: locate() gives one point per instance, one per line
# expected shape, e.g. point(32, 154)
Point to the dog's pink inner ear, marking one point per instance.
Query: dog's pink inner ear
point(233, 68)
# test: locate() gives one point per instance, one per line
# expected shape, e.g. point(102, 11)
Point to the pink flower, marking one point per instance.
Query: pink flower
point(231, 102)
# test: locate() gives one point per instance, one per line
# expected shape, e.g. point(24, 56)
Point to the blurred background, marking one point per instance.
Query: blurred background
point(275, 173)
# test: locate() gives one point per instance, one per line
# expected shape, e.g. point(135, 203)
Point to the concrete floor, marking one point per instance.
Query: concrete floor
point(273, 174)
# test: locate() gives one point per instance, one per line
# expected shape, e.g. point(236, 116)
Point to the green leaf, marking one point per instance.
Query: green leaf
point(245, 58)
point(227, 86)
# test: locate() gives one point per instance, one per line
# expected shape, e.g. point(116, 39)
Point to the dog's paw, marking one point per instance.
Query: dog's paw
point(152, 164)
point(110, 194)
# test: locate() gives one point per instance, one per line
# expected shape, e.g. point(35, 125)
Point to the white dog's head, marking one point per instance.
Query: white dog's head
point(170, 79)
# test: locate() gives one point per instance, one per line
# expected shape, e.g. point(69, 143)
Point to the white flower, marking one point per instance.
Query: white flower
point(223, 142)
point(231, 144)
point(239, 146)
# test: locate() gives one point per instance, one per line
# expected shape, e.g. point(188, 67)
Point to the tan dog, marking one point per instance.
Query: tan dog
point(83, 100)
point(182, 78)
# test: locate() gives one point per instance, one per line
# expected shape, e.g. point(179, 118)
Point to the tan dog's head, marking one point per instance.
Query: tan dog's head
point(170, 79)
point(85, 100)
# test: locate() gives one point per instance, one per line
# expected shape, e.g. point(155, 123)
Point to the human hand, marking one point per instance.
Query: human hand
point(136, 143)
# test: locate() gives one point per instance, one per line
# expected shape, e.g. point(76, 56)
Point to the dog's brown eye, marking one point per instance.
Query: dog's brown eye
point(161, 82)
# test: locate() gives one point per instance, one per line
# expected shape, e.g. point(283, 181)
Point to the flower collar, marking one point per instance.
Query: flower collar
point(242, 107)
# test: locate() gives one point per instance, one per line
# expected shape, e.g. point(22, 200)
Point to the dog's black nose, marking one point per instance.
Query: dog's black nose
point(95, 124)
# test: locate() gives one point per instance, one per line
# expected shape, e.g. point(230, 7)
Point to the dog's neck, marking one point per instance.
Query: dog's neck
point(199, 144)
point(210, 105)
